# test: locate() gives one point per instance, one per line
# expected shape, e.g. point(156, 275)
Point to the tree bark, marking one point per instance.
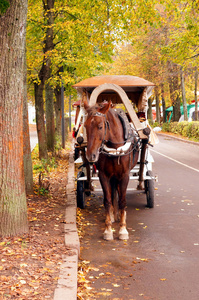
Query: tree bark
point(39, 108)
point(174, 90)
point(26, 141)
point(13, 208)
point(196, 95)
point(163, 104)
point(150, 112)
point(50, 125)
point(157, 104)
point(44, 74)
point(183, 94)
point(58, 111)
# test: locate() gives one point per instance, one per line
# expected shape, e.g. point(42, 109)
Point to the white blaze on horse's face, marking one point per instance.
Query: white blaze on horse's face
point(95, 130)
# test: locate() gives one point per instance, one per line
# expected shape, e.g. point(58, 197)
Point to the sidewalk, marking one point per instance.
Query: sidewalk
point(67, 283)
point(182, 139)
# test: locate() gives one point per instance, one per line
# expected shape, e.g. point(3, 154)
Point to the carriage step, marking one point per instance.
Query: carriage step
point(78, 160)
point(144, 178)
point(84, 178)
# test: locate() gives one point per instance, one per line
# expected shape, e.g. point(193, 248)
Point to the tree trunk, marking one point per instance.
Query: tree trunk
point(157, 103)
point(26, 141)
point(196, 95)
point(50, 126)
point(39, 108)
point(163, 104)
point(44, 74)
point(176, 108)
point(13, 208)
point(174, 90)
point(183, 94)
point(150, 113)
point(58, 111)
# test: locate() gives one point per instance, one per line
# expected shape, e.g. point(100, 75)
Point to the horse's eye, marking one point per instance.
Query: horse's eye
point(100, 127)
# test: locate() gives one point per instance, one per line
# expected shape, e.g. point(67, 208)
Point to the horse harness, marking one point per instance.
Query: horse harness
point(131, 137)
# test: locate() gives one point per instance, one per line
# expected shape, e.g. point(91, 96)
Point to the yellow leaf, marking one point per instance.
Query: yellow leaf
point(23, 265)
point(144, 259)
point(89, 288)
point(22, 281)
point(115, 284)
point(86, 262)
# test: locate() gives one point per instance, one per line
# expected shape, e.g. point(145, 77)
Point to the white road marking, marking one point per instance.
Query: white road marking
point(180, 163)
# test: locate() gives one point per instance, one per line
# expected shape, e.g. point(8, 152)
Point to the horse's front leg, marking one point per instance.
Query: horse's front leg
point(123, 233)
point(108, 233)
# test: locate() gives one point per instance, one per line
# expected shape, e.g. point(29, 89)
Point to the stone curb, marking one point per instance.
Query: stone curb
point(67, 283)
point(177, 138)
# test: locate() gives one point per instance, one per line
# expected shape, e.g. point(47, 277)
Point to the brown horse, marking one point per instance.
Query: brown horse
point(114, 158)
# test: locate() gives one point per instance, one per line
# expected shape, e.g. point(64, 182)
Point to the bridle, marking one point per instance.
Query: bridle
point(107, 125)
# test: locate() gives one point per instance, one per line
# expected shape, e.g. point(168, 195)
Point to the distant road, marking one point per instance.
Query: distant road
point(33, 136)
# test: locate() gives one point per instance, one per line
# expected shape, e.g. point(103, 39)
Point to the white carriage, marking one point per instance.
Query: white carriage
point(133, 93)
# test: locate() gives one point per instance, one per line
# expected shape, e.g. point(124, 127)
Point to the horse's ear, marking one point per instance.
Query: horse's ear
point(105, 107)
point(85, 104)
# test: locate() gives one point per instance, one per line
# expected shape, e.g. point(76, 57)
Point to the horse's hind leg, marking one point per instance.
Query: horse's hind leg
point(114, 207)
point(123, 233)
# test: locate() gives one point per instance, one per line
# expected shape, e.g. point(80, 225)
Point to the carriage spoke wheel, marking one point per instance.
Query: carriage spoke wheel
point(149, 190)
point(80, 191)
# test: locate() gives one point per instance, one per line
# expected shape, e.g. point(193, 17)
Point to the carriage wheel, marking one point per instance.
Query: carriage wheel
point(80, 191)
point(149, 190)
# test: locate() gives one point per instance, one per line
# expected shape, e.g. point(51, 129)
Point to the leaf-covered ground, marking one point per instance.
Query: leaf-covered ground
point(30, 264)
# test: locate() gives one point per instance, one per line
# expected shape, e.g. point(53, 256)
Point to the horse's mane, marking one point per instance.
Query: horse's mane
point(93, 109)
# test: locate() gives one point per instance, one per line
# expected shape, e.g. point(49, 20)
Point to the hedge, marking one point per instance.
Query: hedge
point(186, 129)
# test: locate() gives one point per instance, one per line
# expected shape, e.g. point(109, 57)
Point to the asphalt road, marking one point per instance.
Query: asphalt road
point(161, 259)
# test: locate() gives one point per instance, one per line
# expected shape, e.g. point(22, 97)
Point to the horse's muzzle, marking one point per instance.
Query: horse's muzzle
point(92, 157)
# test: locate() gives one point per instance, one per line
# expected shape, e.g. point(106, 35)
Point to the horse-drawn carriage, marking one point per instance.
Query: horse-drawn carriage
point(113, 137)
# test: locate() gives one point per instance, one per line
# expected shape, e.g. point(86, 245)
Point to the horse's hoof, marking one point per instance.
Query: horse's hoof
point(123, 234)
point(108, 236)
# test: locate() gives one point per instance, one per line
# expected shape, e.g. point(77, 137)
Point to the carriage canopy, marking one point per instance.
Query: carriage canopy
point(118, 89)
point(137, 89)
